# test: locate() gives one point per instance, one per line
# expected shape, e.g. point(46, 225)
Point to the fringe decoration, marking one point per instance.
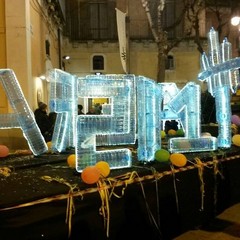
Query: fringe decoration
point(175, 187)
point(70, 203)
point(104, 209)
point(116, 183)
point(200, 167)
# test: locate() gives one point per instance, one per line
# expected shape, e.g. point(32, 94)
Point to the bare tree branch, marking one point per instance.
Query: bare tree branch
point(190, 16)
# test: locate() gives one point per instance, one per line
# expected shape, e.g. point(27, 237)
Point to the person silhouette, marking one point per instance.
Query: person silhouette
point(43, 121)
point(80, 109)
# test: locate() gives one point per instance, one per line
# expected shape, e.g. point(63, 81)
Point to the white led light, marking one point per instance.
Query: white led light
point(42, 77)
point(235, 21)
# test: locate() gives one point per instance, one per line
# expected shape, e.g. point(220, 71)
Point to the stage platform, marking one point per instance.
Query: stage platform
point(148, 201)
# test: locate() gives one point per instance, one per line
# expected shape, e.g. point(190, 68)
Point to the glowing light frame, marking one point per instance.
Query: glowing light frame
point(23, 116)
point(63, 101)
point(149, 96)
point(186, 104)
point(95, 131)
point(115, 129)
point(217, 70)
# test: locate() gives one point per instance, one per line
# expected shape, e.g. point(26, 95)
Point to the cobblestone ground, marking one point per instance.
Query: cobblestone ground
point(225, 227)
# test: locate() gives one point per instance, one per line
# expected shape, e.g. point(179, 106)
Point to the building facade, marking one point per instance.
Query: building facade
point(91, 36)
point(30, 44)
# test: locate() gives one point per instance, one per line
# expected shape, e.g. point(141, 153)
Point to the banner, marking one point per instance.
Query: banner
point(122, 38)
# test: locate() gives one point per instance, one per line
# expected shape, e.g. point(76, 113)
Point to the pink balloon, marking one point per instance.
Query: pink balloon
point(235, 120)
point(4, 151)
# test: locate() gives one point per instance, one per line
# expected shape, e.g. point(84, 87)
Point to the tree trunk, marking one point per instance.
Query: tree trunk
point(161, 66)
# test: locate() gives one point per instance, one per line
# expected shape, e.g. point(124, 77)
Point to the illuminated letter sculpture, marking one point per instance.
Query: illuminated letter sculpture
point(219, 70)
point(187, 105)
point(149, 122)
point(63, 101)
point(22, 117)
point(117, 128)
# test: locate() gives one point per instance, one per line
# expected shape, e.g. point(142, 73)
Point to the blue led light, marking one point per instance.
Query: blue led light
point(23, 116)
point(222, 76)
point(63, 101)
point(116, 128)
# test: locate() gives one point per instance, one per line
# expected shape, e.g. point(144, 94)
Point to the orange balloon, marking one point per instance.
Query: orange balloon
point(4, 151)
point(103, 167)
point(178, 159)
point(71, 160)
point(90, 174)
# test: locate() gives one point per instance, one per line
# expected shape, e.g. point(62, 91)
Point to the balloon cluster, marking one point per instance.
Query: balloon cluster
point(177, 159)
point(172, 133)
point(92, 174)
point(97, 174)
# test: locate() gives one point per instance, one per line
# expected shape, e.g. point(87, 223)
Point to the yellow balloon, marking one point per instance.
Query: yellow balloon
point(236, 140)
point(163, 134)
point(71, 160)
point(178, 159)
point(103, 167)
point(49, 145)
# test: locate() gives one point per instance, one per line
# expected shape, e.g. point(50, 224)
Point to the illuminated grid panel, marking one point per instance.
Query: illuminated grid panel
point(223, 116)
point(63, 101)
point(149, 122)
point(9, 120)
point(232, 76)
point(23, 116)
point(221, 74)
point(187, 101)
point(117, 128)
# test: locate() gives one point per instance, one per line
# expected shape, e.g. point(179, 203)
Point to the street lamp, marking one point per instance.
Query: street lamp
point(66, 57)
point(235, 21)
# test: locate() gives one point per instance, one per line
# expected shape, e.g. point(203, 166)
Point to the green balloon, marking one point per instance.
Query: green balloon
point(162, 155)
point(180, 132)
